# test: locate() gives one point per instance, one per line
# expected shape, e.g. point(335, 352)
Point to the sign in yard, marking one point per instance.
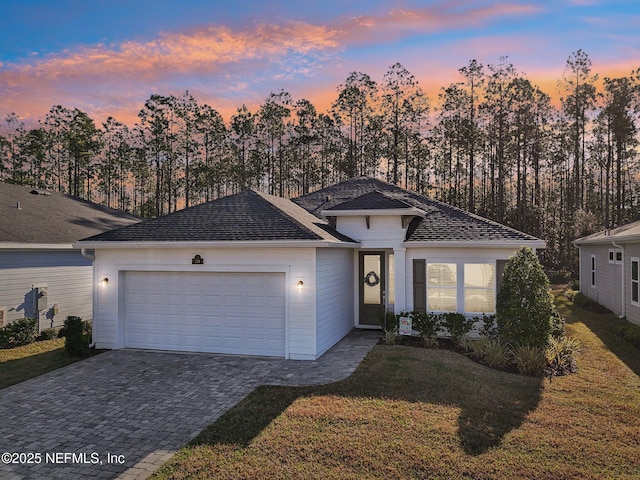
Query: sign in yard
point(405, 325)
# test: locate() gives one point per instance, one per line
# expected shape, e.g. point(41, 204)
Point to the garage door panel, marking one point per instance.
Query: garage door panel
point(241, 313)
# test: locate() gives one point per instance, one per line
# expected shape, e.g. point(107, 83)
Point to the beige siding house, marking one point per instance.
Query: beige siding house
point(610, 269)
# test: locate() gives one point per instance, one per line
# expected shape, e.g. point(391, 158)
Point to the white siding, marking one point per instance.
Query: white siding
point(295, 263)
point(335, 296)
point(384, 231)
point(632, 311)
point(67, 276)
point(607, 290)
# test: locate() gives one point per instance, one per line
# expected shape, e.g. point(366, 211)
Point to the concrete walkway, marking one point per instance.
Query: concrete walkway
point(125, 412)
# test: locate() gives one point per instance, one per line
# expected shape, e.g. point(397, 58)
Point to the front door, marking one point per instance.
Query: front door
point(372, 288)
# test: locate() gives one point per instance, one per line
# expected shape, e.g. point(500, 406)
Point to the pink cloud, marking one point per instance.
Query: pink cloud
point(140, 67)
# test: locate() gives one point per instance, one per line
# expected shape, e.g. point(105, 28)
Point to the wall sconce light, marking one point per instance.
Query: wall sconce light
point(104, 282)
point(299, 285)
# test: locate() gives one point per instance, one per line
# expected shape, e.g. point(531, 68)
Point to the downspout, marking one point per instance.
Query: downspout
point(624, 303)
point(92, 257)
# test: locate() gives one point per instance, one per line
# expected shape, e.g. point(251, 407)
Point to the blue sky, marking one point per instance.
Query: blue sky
point(109, 57)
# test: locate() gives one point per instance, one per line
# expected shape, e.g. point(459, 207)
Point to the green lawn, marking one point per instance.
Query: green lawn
point(21, 363)
point(413, 413)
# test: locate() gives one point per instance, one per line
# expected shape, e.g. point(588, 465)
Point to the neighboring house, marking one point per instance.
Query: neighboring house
point(41, 274)
point(609, 269)
point(256, 274)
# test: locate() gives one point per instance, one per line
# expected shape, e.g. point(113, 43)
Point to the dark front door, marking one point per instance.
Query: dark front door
point(372, 288)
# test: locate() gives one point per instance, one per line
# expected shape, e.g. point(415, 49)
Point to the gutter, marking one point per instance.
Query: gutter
point(92, 257)
point(214, 244)
point(83, 252)
point(624, 303)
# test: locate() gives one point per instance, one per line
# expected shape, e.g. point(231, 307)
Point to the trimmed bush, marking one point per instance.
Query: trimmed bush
point(489, 328)
point(22, 331)
point(524, 307)
point(427, 324)
point(75, 341)
point(457, 325)
point(47, 334)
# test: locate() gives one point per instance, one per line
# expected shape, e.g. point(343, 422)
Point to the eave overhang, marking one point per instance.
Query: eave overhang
point(119, 245)
point(35, 246)
point(412, 211)
point(538, 244)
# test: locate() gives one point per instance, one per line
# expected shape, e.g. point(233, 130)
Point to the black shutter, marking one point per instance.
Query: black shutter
point(419, 286)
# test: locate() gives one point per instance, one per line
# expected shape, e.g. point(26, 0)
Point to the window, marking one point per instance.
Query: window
point(619, 257)
point(593, 270)
point(634, 281)
point(479, 287)
point(611, 255)
point(442, 284)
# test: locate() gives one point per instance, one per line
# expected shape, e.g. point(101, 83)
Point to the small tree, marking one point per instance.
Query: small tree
point(73, 332)
point(524, 307)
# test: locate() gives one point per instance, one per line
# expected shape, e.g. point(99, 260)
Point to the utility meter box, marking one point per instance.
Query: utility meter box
point(40, 298)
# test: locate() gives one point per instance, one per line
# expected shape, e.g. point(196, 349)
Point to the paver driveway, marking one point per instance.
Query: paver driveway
point(139, 407)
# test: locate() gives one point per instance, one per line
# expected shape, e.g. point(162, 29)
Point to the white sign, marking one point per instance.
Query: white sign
point(405, 325)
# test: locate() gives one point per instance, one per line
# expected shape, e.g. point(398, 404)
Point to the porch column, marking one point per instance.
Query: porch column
point(399, 262)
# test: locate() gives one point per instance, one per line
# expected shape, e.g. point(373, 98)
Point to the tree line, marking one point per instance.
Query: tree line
point(492, 143)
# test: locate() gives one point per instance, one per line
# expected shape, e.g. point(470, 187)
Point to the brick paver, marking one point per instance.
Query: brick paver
point(141, 406)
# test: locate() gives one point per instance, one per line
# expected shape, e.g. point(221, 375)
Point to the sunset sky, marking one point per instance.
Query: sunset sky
point(108, 57)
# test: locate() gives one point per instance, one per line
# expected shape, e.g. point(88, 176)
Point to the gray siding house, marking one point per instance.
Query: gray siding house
point(41, 274)
point(610, 269)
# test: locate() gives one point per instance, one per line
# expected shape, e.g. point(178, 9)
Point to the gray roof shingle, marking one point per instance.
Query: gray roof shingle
point(375, 200)
point(441, 222)
point(245, 216)
point(51, 217)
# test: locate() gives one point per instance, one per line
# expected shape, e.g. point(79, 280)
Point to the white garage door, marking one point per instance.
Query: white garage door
point(241, 313)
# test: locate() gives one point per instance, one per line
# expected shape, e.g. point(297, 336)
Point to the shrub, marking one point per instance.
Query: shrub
point(495, 354)
point(47, 334)
point(631, 333)
point(457, 325)
point(559, 277)
point(22, 331)
point(74, 333)
point(390, 321)
point(528, 359)
point(427, 324)
point(560, 356)
point(557, 324)
point(581, 300)
point(489, 328)
point(570, 294)
point(524, 305)
point(391, 337)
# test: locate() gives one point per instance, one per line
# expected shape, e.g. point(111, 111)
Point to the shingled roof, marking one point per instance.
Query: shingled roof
point(35, 216)
point(245, 216)
point(625, 233)
point(375, 200)
point(441, 222)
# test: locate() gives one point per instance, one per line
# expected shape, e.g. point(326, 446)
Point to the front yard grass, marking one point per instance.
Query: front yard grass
point(419, 413)
point(22, 363)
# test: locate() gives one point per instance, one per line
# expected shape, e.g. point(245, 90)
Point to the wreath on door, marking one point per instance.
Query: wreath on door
point(372, 279)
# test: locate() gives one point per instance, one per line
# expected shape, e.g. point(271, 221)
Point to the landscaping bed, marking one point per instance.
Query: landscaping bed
point(432, 413)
